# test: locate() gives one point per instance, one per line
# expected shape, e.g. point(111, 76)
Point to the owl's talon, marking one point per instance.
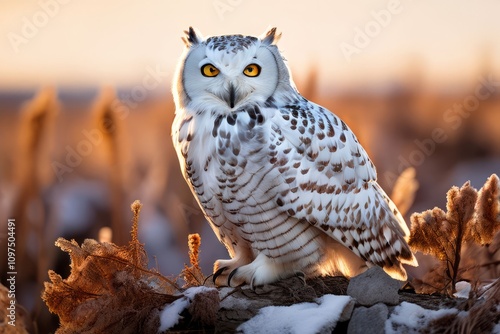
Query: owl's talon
point(218, 273)
point(301, 275)
point(231, 276)
point(252, 286)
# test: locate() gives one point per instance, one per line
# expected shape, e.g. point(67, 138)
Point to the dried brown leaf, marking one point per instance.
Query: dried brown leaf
point(487, 218)
point(460, 205)
point(426, 233)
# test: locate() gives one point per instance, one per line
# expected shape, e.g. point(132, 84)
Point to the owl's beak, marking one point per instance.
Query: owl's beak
point(232, 95)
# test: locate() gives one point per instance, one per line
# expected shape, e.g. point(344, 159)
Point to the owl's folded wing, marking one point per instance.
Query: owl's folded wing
point(332, 185)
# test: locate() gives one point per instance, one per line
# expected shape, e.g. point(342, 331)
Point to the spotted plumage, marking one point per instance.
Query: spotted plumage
point(283, 182)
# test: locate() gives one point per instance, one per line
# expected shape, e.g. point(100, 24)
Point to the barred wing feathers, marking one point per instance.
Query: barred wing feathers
point(333, 186)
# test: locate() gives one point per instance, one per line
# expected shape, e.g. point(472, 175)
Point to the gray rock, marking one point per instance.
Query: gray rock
point(368, 320)
point(374, 286)
point(347, 312)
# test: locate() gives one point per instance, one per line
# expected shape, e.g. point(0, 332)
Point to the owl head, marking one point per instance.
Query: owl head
point(224, 73)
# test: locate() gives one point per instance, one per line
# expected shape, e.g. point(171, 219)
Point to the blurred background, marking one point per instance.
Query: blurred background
point(86, 109)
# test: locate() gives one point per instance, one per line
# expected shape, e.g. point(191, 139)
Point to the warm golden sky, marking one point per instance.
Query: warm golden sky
point(114, 41)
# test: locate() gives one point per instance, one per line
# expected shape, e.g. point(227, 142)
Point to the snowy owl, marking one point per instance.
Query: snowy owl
point(283, 182)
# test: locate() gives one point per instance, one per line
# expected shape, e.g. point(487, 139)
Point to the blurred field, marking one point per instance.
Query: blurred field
point(73, 160)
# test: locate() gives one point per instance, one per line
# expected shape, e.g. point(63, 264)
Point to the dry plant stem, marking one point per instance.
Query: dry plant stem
point(136, 209)
point(37, 122)
point(109, 125)
point(457, 257)
point(194, 243)
point(192, 279)
point(193, 276)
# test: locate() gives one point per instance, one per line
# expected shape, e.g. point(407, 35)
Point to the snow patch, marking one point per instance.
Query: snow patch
point(302, 318)
point(463, 289)
point(410, 318)
point(171, 314)
point(191, 292)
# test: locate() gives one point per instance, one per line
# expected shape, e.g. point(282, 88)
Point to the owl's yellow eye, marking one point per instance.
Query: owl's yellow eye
point(209, 70)
point(252, 70)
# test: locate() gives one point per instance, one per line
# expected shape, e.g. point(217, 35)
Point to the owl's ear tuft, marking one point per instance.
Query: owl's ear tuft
point(270, 37)
point(192, 37)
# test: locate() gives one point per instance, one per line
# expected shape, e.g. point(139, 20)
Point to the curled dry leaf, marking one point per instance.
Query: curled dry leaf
point(460, 205)
point(487, 219)
point(427, 233)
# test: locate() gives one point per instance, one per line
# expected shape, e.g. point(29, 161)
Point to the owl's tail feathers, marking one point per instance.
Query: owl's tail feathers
point(397, 272)
point(395, 267)
point(379, 235)
point(395, 234)
point(412, 261)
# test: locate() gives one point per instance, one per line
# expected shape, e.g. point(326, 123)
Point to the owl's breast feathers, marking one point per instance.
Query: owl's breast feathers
point(296, 159)
point(225, 156)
